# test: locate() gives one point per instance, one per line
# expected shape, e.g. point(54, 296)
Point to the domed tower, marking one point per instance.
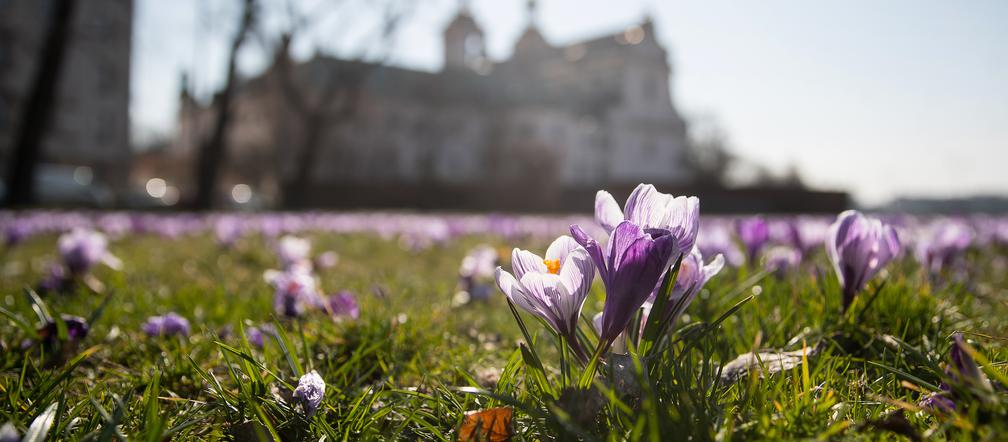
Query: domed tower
point(463, 42)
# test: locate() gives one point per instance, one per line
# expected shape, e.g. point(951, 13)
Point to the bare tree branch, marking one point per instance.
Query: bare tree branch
point(213, 152)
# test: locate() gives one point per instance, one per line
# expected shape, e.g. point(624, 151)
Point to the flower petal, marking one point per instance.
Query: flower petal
point(595, 250)
point(507, 283)
point(561, 247)
point(607, 211)
point(524, 261)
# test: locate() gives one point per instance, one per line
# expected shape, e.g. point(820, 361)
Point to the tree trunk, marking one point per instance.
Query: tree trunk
point(213, 153)
point(39, 108)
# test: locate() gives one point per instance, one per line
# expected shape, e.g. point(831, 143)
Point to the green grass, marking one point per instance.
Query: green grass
point(413, 365)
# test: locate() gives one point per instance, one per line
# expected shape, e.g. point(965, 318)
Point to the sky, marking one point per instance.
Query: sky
point(882, 99)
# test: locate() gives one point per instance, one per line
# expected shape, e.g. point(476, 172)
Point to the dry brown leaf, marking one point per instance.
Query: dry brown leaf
point(492, 425)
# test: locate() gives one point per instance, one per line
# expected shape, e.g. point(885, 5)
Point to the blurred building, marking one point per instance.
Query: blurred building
point(550, 117)
point(88, 135)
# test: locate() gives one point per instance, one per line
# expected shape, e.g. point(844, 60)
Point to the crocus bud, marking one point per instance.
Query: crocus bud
point(310, 391)
point(859, 247)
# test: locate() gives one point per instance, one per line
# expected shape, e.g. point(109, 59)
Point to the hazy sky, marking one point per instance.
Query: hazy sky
point(879, 98)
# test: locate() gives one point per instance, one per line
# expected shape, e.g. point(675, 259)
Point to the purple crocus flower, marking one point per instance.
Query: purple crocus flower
point(327, 260)
point(692, 277)
point(650, 209)
point(859, 247)
point(77, 329)
point(630, 267)
point(9, 434)
point(254, 336)
point(754, 233)
point(293, 251)
point(806, 234)
point(779, 259)
point(342, 304)
point(170, 324)
point(227, 230)
point(553, 288)
point(479, 263)
point(477, 270)
point(716, 238)
point(82, 249)
point(962, 370)
point(945, 242)
point(295, 291)
point(56, 280)
point(310, 391)
point(16, 232)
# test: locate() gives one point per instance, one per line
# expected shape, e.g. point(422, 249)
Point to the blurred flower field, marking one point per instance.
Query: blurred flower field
point(350, 326)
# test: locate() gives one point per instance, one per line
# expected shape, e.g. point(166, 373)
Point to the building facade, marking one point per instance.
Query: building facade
point(580, 115)
point(89, 126)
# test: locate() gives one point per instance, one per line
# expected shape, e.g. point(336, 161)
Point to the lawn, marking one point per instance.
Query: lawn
point(424, 361)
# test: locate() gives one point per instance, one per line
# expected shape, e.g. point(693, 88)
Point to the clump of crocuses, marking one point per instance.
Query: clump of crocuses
point(310, 391)
point(170, 324)
point(651, 231)
point(859, 247)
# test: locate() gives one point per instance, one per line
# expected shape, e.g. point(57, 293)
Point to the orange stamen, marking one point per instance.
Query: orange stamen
point(552, 266)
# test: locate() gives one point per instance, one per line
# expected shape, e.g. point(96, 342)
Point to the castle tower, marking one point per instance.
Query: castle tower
point(464, 47)
point(531, 44)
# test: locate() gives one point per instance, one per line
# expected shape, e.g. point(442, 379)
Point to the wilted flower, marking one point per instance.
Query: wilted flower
point(553, 288)
point(650, 209)
point(343, 304)
point(168, 325)
point(754, 233)
point(310, 391)
point(82, 249)
point(859, 247)
point(630, 267)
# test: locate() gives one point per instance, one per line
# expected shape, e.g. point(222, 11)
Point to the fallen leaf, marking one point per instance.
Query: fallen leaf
point(492, 425)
